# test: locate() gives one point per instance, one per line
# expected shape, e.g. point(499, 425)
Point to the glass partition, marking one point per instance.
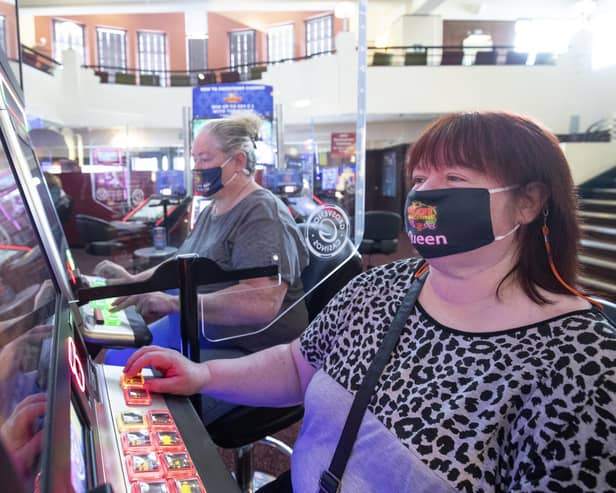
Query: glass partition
point(27, 305)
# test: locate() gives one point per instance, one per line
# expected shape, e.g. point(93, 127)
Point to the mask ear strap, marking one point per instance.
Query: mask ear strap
point(546, 239)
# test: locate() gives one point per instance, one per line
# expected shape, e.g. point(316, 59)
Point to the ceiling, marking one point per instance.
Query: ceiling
point(448, 9)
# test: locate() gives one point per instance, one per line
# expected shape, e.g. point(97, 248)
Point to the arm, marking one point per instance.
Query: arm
point(111, 270)
point(254, 301)
point(277, 376)
point(251, 302)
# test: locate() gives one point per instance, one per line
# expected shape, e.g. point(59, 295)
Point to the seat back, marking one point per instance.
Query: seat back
point(416, 58)
point(381, 58)
point(207, 78)
point(452, 57)
point(382, 225)
point(609, 309)
point(381, 231)
point(516, 58)
point(326, 276)
point(175, 221)
point(232, 76)
point(485, 58)
point(545, 58)
point(92, 228)
point(257, 71)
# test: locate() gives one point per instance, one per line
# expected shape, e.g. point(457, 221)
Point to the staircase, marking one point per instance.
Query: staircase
point(598, 245)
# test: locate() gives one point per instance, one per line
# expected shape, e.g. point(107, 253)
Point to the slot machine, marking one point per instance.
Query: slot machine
point(68, 423)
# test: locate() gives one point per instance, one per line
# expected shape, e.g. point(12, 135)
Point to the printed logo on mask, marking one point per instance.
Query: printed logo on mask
point(423, 216)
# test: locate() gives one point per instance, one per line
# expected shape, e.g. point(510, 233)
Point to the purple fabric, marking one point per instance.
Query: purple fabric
point(379, 463)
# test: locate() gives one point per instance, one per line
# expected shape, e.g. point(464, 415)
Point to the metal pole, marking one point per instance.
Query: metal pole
point(279, 137)
point(19, 58)
point(189, 327)
point(186, 119)
point(360, 129)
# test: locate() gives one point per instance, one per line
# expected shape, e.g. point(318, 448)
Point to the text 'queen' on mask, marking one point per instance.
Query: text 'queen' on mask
point(450, 220)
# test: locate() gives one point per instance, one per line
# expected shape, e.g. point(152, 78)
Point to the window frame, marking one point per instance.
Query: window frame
point(242, 68)
point(54, 51)
point(162, 72)
point(98, 51)
point(308, 42)
point(268, 35)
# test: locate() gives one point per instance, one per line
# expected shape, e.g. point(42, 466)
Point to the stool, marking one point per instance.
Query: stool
point(243, 427)
point(151, 256)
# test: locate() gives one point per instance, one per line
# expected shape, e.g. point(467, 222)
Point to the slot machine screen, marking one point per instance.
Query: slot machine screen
point(329, 178)
point(78, 452)
point(27, 318)
point(53, 219)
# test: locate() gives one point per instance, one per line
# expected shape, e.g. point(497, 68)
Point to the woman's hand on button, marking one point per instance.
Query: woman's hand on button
point(179, 375)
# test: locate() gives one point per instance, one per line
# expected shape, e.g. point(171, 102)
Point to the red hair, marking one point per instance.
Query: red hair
point(514, 150)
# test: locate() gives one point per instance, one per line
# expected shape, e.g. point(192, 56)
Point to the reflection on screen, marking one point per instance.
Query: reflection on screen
point(148, 212)
point(50, 210)
point(27, 303)
point(78, 453)
point(329, 178)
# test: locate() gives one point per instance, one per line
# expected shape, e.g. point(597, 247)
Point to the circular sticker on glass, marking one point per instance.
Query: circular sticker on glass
point(327, 230)
point(137, 196)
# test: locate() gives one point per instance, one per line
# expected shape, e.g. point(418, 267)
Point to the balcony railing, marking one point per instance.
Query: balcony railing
point(419, 55)
point(134, 76)
point(38, 60)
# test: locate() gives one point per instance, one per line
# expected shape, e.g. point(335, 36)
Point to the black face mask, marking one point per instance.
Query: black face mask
point(450, 220)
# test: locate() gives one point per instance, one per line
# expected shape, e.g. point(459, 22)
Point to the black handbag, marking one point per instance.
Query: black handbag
point(331, 478)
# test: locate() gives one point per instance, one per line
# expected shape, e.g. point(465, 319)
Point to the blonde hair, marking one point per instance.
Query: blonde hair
point(237, 133)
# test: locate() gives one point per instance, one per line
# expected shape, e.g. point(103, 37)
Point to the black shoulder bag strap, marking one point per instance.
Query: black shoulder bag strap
point(331, 477)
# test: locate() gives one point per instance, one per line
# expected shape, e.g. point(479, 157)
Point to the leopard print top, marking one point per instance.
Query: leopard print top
point(526, 409)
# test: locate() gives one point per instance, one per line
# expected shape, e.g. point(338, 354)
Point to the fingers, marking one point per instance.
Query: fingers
point(159, 358)
point(25, 455)
point(103, 268)
point(171, 385)
point(124, 302)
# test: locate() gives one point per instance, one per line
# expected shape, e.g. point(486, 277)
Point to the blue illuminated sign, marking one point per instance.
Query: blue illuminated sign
point(219, 100)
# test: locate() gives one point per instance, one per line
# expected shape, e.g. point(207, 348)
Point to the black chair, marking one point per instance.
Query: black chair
point(101, 237)
point(149, 80)
point(452, 57)
point(380, 58)
point(545, 58)
point(257, 72)
point(179, 80)
point(244, 426)
point(381, 231)
point(609, 308)
point(207, 78)
point(232, 76)
point(177, 226)
point(485, 58)
point(416, 58)
point(516, 57)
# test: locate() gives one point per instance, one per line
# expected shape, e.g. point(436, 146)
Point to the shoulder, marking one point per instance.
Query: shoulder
point(263, 204)
point(384, 281)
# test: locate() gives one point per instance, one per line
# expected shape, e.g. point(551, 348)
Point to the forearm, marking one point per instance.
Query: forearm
point(241, 305)
point(266, 378)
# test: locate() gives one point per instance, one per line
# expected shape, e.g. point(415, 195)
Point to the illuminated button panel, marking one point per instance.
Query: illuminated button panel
point(154, 456)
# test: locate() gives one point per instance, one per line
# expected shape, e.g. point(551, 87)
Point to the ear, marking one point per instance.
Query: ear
point(531, 201)
point(240, 161)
